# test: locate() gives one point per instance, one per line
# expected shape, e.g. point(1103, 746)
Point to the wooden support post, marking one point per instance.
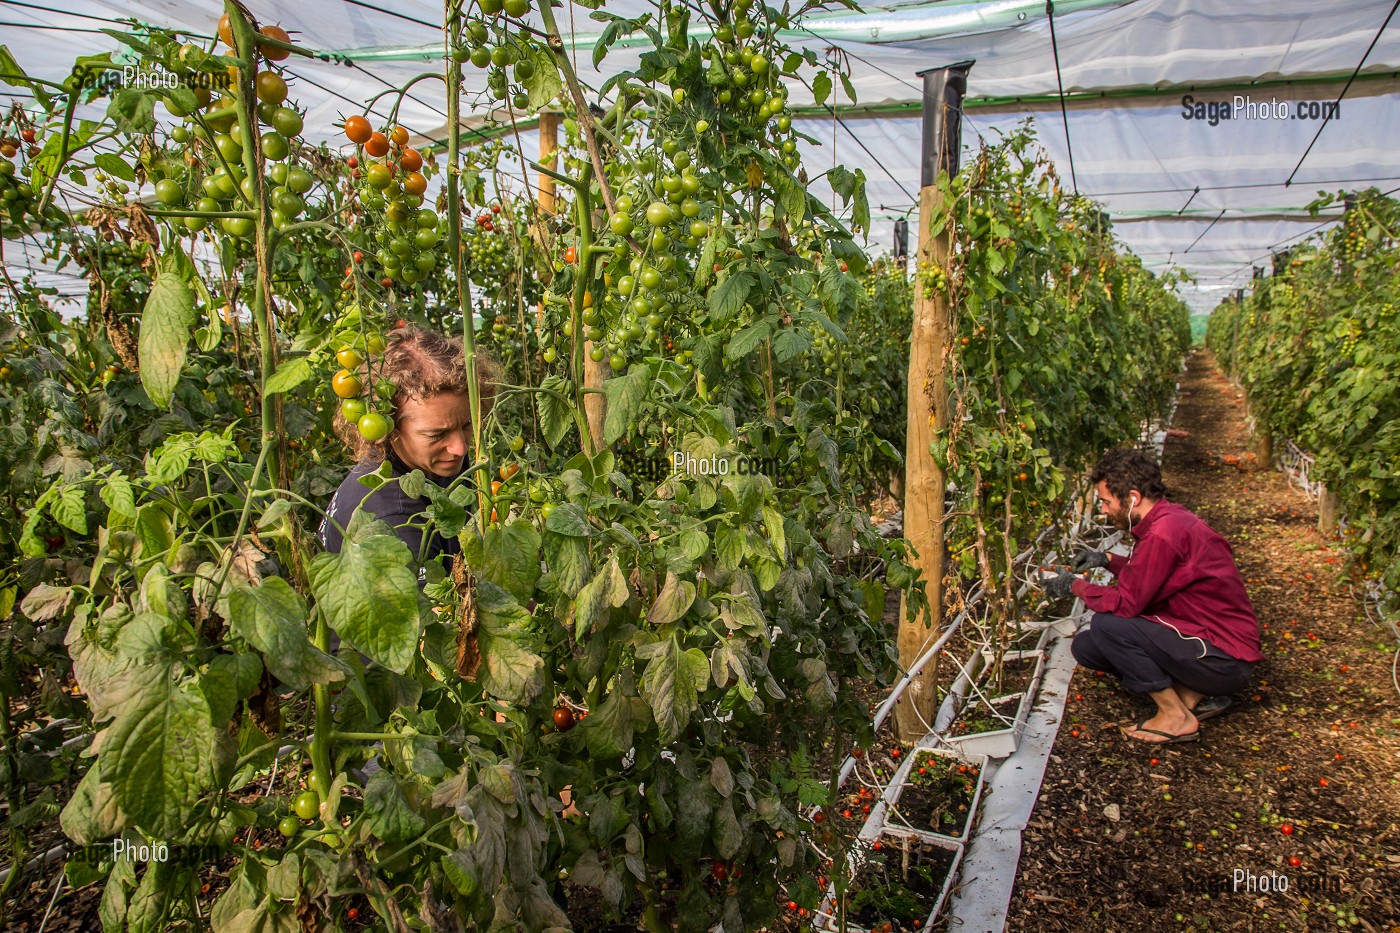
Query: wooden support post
point(1329, 508)
point(925, 482)
point(549, 144)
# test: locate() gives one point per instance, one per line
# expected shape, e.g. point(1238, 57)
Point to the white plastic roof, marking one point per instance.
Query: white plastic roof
point(1213, 200)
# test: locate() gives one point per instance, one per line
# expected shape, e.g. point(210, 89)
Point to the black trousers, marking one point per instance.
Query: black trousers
point(1148, 656)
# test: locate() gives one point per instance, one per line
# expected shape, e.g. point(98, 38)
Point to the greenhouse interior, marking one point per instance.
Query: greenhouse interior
point(700, 465)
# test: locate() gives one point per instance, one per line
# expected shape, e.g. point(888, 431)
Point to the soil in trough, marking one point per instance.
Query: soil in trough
point(898, 885)
point(938, 796)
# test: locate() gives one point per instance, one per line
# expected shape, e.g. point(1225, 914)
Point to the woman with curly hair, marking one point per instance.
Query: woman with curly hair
point(432, 432)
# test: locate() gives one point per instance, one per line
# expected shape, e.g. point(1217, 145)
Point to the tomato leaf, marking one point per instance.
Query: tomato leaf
point(821, 87)
point(544, 83)
point(160, 754)
point(92, 814)
point(509, 669)
point(68, 510)
point(116, 492)
point(721, 777)
point(289, 375)
point(567, 559)
point(672, 683)
point(165, 328)
point(790, 343)
point(389, 814)
point(728, 297)
point(132, 110)
point(848, 87)
point(510, 558)
point(672, 602)
point(749, 339)
point(607, 589)
point(369, 594)
point(113, 164)
point(15, 77)
point(729, 547)
point(608, 729)
point(555, 410)
point(272, 618)
point(625, 395)
point(726, 832)
point(568, 519)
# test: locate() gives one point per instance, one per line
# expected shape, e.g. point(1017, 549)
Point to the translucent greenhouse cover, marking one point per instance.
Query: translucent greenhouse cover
point(1184, 187)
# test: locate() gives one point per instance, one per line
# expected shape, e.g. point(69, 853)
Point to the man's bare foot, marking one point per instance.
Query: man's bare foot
point(1171, 723)
point(1189, 697)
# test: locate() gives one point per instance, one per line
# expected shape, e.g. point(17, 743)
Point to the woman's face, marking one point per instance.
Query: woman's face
point(434, 434)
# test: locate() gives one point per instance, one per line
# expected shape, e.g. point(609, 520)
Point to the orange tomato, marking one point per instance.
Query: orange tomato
point(358, 130)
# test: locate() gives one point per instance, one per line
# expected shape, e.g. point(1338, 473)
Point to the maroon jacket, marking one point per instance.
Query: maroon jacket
point(1183, 575)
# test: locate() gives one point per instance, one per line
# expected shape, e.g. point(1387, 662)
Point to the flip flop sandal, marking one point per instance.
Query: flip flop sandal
point(1211, 707)
point(1170, 739)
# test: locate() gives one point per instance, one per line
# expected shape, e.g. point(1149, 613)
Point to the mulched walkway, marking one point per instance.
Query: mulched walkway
point(1301, 781)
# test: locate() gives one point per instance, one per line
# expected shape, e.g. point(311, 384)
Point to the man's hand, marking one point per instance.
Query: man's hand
point(1088, 559)
point(1060, 586)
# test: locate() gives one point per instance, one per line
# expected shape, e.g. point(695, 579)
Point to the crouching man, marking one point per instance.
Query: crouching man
point(1176, 624)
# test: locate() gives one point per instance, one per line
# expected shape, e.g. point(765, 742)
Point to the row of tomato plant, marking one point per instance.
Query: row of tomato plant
point(1316, 347)
point(684, 654)
point(1065, 347)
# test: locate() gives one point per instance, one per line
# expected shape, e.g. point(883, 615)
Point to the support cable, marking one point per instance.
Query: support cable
point(1059, 80)
point(1327, 117)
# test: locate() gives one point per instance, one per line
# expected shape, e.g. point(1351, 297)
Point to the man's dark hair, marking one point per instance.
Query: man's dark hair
point(1129, 468)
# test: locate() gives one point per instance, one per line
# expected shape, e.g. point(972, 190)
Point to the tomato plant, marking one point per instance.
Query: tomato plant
point(1315, 346)
point(682, 650)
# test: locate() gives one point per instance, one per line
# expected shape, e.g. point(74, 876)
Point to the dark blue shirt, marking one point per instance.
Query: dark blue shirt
point(391, 505)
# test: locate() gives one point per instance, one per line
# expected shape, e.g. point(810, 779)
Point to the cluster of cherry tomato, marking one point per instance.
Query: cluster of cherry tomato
point(504, 51)
point(17, 196)
point(223, 184)
point(349, 386)
point(391, 185)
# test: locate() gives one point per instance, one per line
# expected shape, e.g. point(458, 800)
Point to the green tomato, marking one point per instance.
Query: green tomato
point(230, 148)
point(516, 8)
point(353, 409)
point(517, 444)
point(546, 510)
point(237, 226)
point(300, 180)
point(308, 805)
point(658, 213)
point(286, 121)
point(289, 826)
point(620, 223)
point(374, 426)
point(275, 146)
point(169, 192)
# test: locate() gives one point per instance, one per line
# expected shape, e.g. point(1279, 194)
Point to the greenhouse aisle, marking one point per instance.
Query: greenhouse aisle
point(1298, 782)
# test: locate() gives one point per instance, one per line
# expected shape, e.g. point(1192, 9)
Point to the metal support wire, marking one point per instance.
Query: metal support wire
point(1327, 117)
point(1060, 81)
